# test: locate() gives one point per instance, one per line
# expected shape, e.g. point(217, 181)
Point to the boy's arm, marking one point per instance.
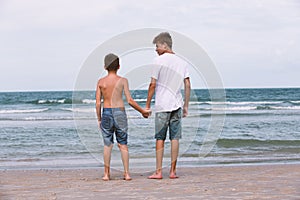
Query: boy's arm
point(131, 102)
point(187, 91)
point(98, 102)
point(151, 91)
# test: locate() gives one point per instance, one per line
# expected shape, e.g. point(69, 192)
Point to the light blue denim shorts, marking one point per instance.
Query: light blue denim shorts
point(114, 121)
point(168, 120)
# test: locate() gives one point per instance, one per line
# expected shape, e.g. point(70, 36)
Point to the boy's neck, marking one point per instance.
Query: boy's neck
point(112, 72)
point(168, 51)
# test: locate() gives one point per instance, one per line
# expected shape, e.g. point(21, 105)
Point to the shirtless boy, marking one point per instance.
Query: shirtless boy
point(113, 119)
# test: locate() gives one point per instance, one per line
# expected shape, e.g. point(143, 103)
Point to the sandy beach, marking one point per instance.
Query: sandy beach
point(280, 181)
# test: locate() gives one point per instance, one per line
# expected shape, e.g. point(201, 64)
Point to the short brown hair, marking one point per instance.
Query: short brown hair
point(111, 62)
point(163, 38)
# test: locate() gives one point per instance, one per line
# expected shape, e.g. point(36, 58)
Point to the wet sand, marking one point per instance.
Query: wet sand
point(215, 182)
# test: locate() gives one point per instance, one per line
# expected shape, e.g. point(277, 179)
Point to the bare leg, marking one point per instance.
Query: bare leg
point(125, 160)
point(106, 157)
point(159, 159)
point(174, 156)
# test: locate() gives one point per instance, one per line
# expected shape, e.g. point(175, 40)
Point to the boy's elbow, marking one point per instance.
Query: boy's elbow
point(130, 101)
point(98, 104)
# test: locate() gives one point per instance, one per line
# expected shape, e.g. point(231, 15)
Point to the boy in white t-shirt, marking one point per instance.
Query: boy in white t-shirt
point(169, 74)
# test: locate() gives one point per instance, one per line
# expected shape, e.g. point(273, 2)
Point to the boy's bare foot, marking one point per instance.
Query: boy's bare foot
point(105, 177)
point(155, 176)
point(173, 175)
point(127, 177)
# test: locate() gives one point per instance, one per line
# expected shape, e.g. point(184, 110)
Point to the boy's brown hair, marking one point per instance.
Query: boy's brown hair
point(163, 38)
point(111, 62)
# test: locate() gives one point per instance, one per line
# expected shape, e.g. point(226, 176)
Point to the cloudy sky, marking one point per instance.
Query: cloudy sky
point(252, 43)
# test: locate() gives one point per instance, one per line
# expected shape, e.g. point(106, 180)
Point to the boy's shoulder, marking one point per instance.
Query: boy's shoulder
point(107, 78)
point(101, 79)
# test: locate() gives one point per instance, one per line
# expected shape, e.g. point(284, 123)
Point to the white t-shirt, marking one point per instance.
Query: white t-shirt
point(169, 71)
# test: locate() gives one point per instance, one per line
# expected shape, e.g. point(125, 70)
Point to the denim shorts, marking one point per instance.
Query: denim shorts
point(165, 120)
point(114, 121)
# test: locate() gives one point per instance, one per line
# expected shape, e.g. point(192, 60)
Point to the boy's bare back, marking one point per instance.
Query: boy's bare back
point(111, 88)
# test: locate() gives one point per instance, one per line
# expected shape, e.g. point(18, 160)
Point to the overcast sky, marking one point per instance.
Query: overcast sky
point(43, 44)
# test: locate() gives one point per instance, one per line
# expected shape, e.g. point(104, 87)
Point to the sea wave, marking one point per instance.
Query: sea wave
point(38, 118)
point(295, 102)
point(249, 108)
point(269, 104)
point(80, 110)
point(89, 101)
point(241, 103)
point(52, 101)
point(71, 101)
point(233, 143)
point(23, 111)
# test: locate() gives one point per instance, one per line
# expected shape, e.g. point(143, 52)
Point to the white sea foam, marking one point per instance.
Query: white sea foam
point(245, 108)
point(46, 118)
point(285, 107)
point(61, 101)
point(253, 102)
point(235, 108)
point(42, 101)
point(142, 100)
point(23, 111)
point(93, 101)
point(89, 101)
point(236, 103)
point(81, 110)
point(295, 101)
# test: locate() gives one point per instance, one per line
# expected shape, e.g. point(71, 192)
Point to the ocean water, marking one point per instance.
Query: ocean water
point(59, 129)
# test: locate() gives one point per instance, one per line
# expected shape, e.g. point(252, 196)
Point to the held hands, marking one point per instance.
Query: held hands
point(146, 112)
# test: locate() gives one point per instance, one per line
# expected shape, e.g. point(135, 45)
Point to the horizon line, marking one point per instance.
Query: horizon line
point(202, 88)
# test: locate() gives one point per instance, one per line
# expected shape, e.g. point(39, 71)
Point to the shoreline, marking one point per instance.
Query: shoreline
point(266, 181)
point(138, 166)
